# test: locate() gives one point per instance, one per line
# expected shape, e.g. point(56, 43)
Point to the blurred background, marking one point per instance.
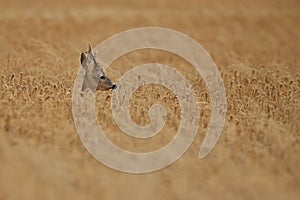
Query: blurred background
point(255, 45)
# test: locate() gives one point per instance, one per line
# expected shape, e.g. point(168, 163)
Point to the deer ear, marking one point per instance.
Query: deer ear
point(82, 58)
point(90, 48)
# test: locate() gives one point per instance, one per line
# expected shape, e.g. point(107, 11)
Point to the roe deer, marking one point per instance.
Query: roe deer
point(94, 78)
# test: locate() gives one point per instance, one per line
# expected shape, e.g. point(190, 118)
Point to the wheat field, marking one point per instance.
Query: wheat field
point(255, 45)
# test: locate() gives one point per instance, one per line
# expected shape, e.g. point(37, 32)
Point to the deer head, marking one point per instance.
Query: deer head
point(94, 78)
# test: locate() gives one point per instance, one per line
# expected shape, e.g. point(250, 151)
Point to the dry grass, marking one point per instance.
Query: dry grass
point(256, 47)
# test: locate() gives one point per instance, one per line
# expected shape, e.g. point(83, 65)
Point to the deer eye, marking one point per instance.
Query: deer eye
point(102, 77)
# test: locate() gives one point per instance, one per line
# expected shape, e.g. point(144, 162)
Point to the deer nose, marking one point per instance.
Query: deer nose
point(114, 86)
